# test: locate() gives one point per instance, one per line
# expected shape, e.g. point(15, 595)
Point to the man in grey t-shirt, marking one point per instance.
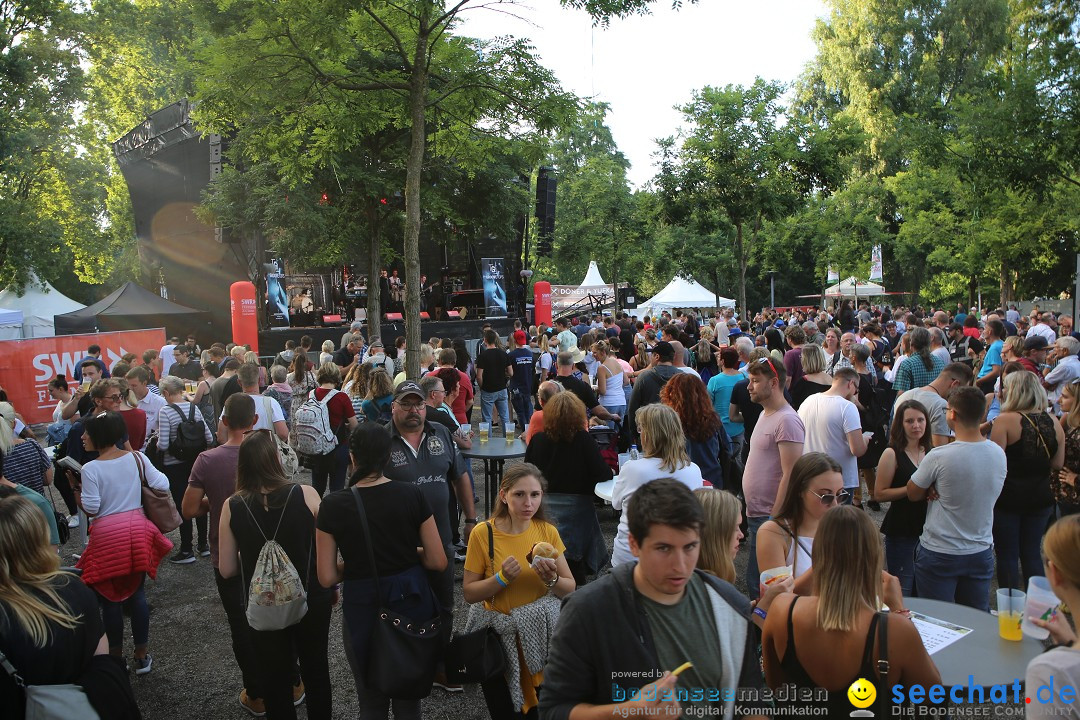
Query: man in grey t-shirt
point(954, 560)
point(933, 398)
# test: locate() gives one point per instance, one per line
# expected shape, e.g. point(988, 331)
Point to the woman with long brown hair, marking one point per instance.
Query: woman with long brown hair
point(832, 637)
point(509, 582)
point(909, 441)
point(267, 505)
point(301, 380)
point(706, 438)
point(1064, 485)
point(565, 452)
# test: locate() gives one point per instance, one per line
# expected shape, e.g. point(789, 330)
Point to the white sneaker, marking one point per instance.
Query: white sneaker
point(73, 521)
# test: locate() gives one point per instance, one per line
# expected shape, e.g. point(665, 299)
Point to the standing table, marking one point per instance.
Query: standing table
point(495, 452)
point(982, 654)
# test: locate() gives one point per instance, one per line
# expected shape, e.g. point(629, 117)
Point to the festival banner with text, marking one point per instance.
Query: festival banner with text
point(27, 366)
point(494, 287)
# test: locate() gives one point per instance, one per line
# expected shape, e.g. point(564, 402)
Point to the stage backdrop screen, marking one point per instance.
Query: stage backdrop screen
point(494, 288)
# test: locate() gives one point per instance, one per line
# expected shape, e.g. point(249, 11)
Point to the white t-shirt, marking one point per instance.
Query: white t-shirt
point(969, 478)
point(827, 419)
point(167, 359)
point(943, 353)
point(633, 475)
point(151, 405)
point(936, 405)
point(1046, 676)
point(112, 486)
point(261, 401)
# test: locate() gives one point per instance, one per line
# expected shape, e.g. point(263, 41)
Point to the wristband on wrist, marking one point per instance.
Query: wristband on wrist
point(760, 613)
point(470, 521)
point(500, 579)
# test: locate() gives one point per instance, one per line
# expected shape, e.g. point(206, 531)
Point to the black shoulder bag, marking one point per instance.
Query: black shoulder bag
point(477, 656)
point(403, 652)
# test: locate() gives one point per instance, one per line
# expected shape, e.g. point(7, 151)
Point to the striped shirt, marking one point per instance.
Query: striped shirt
point(169, 421)
point(25, 464)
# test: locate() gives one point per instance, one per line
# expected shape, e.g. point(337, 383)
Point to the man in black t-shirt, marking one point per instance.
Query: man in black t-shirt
point(183, 366)
point(565, 377)
point(493, 368)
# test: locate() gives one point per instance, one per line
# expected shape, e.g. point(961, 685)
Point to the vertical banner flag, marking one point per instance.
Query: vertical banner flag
point(875, 263)
point(243, 305)
point(27, 366)
point(494, 287)
point(833, 275)
point(542, 302)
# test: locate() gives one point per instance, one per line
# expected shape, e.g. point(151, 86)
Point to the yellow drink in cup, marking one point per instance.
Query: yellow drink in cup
point(510, 432)
point(1009, 625)
point(485, 428)
point(1010, 606)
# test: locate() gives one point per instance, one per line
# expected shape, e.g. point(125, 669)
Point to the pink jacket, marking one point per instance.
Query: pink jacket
point(121, 548)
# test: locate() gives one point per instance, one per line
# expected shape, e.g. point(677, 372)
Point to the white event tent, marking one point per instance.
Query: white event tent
point(682, 293)
point(851, 287)
point(38, 305)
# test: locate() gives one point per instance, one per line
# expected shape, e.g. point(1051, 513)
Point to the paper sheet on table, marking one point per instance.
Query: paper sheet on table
point(937, 634)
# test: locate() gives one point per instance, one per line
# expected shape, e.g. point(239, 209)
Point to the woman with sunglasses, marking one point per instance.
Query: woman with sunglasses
point(1064, 485)
point(909, 441)
point(787, 540)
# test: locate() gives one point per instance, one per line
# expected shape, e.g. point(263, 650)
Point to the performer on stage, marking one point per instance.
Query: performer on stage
point(397, 291)
point(384, 291)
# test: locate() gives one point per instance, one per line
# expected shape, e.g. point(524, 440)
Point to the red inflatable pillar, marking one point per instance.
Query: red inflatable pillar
point(245, 323)
point(542, 302)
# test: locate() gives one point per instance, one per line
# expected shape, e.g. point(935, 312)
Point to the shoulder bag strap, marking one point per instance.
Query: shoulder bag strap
point(491, 546)
point(1038, 434)
point(10, 670)
point(191, 411)
point(142, 473)
point(284, 507)
point(254, 521)
point(269, 411)
point(367, 540)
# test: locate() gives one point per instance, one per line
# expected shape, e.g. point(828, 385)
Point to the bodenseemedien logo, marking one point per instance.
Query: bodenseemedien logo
point(862, 695)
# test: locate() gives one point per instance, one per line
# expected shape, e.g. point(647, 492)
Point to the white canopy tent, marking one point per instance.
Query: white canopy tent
point(853, 287)
point(11, 324)
point(682, 293)
point(38, 306)
point(593, 278)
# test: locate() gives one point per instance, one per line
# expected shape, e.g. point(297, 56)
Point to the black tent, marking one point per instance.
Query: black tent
point(130, 307)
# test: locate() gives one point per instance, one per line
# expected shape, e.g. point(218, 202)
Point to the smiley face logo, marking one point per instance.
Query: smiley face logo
point(862, 693)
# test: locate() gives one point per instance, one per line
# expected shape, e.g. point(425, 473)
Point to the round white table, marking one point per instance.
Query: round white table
point(982, 654)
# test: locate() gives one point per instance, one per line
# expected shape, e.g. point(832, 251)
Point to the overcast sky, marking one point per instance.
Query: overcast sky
point(644, 66)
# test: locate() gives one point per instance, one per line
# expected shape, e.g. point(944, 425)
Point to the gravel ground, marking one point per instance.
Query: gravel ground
point(195, 674)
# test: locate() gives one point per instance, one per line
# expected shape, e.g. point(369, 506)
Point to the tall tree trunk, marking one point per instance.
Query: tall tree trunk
point(742, 267)
point(973, 286)
point(716, 286)
point(1006, 284)
point(374, 302)
point(413, 171)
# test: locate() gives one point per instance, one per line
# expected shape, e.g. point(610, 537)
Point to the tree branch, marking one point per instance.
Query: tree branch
point(393, 36)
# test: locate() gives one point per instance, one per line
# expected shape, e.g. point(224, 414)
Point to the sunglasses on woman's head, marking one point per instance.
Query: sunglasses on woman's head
point(830, 498)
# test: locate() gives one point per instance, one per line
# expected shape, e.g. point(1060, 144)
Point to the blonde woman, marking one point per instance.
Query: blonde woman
point(355, 386)
point(25, 461)
point(1061, 554)
point(664, 455)
point(380, 396)
point(252, 357)
point(1064, 484)
point(720, 536)
point(1034, 446)
point(52, 633)
point(610, 380)
point(830, 639)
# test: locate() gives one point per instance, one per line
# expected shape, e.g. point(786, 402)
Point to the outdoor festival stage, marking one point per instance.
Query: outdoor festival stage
point(272, 341)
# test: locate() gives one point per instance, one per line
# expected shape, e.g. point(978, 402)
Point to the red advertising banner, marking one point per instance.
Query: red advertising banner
point(27, 366)
point(245, 323)
point(542, 302)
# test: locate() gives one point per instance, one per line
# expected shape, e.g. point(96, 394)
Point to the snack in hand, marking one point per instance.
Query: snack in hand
point(542, 549)
point(682, 668)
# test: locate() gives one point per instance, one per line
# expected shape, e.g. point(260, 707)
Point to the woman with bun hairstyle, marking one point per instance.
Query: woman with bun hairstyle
point(399, 521)
point(514, 583)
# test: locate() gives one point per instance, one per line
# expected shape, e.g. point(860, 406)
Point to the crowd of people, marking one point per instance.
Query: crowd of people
point(769, 436)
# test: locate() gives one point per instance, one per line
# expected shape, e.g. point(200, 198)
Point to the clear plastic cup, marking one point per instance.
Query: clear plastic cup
point(485, 429)
point(510, 429)
point(1041, 604)
point(1010, 606)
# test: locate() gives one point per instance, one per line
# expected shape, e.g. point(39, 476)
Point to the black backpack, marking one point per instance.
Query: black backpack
point(190, 437)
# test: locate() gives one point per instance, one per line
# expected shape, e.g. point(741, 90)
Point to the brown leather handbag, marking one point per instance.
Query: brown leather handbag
point(157, 504)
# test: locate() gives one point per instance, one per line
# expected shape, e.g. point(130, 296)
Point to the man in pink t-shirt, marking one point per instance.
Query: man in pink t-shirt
point(775, 445)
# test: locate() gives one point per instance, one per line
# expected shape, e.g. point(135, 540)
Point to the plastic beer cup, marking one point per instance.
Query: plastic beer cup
point(1010, 605)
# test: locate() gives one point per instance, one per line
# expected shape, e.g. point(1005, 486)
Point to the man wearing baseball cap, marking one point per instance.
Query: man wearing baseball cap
point(649, 383)
point(423, 453)
point(521, 382)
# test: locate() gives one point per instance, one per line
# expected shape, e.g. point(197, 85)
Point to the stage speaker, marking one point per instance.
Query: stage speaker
point(453, 314)
point(424, 316)
point(392, 317)
point(331, 319)
point(546, 183)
